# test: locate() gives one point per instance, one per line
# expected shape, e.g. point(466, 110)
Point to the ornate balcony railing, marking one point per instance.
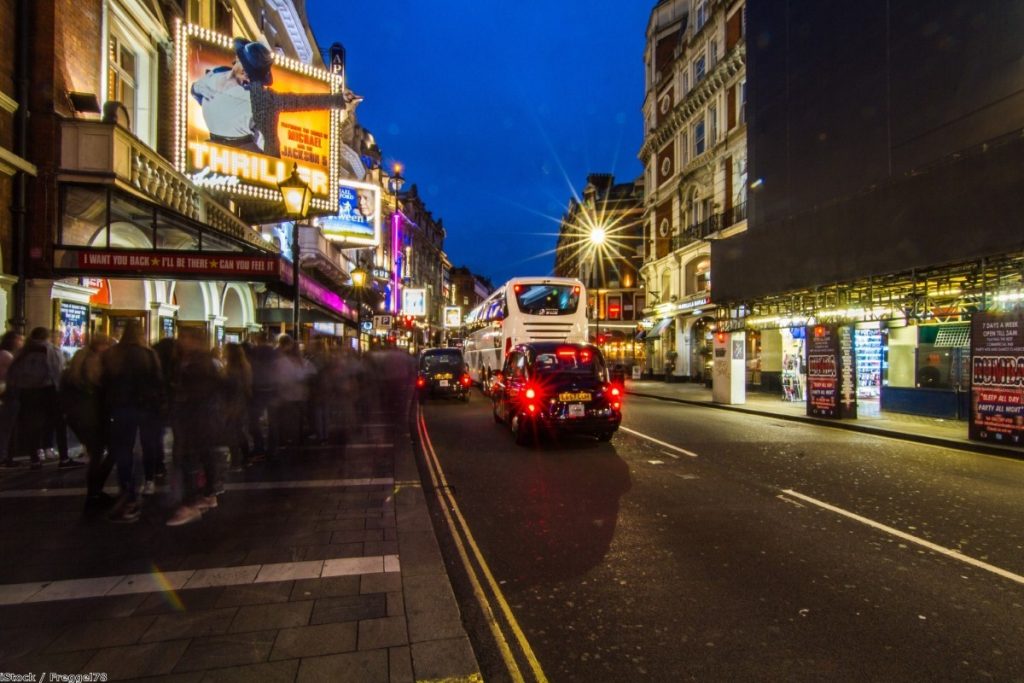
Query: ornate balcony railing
point(94, 151)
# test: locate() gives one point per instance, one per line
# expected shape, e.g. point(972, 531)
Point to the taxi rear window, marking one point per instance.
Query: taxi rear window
point(433, 361)
point(572, 361)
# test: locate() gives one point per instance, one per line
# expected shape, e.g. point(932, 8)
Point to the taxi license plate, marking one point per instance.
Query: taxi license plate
point(443, 383)
point(577, 410)
point(574, 397)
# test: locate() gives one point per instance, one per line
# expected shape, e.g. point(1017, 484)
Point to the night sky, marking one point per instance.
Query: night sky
point(495, 108)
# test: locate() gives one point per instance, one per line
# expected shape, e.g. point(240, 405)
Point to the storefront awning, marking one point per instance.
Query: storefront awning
point(656, 331)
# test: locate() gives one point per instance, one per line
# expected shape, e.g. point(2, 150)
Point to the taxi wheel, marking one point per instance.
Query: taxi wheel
point(465, 396)
point(519, 431)
point(494, 412)
point(605, 436)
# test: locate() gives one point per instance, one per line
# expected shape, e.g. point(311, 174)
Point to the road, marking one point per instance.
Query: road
point(740, 547)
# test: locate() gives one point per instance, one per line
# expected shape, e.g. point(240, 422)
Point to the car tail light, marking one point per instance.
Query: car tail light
point(420, 382)
point(466, 381)
point(531, 408)
point(615, 392)
point(616, 405)
point(531, 393)
point(508, 345)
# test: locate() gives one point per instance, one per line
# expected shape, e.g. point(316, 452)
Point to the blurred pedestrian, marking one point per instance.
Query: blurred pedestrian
point(292, 373)
point(197, 418)
point(34, 377)
point(262, 360)
point(10, 344)
point(237, 395)
point(133, 393)
point(82, 402)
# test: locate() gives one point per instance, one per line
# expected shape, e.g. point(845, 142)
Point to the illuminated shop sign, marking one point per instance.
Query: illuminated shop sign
point(245, 115)
point(452, 316)
point(414, 302)
point(357, 222)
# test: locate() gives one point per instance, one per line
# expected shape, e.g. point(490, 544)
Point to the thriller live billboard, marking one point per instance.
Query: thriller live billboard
point(218, 142)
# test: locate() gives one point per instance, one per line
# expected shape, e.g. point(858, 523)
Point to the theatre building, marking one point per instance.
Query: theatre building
point(884, 206)
point(142, 207)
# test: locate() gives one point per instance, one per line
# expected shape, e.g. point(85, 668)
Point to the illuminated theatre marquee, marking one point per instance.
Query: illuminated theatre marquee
point(217, 141)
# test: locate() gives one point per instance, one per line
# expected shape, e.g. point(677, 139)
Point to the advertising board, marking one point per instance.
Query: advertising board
point(452, 316)
point(414, 302)
point(242, 124)
point(831, 389)
point(997, 377)
point(357, 222)
point(73, 326)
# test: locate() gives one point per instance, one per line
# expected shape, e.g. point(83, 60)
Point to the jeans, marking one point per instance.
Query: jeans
point(125, 423)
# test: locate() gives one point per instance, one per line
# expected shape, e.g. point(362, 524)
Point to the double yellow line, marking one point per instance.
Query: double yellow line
point(476, 567)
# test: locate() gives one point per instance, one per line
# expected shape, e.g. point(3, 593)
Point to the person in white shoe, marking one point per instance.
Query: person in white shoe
point(197, 418)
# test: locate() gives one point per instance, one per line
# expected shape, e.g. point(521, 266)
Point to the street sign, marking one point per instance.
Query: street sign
point(382, 322)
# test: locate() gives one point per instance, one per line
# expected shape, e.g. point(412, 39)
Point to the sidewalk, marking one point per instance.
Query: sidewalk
point(929, 430)
point(322, 567)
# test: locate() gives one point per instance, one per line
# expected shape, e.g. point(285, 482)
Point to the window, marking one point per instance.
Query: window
point(743, 102)
point(122, 75)
point(699, 69)
point(701, 14)
point(713, 122)
point(713, 53)
point(686, 82)
point(540, 299)
point(698, 138)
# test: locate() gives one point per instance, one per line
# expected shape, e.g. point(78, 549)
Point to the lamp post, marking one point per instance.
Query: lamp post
point(358, 276)
point(597, 237)
point(296, 195)
point(395, 183)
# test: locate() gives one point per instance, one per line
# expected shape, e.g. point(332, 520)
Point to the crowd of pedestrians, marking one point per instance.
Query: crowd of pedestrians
point(202, 410)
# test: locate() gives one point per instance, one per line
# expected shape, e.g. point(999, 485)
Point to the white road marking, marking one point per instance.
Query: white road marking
point(242, 486)
point(789, 500)
point(656, 462)
point(948, 552)
point(658, 441)
point(157, 581)
point(671, 454)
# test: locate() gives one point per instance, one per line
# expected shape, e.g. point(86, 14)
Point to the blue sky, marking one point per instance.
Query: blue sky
point(495, 107)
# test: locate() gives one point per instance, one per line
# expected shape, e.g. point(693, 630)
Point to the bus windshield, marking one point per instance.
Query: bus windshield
point(541, 299)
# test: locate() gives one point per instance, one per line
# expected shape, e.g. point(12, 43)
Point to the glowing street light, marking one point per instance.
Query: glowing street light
point(597, 236)
point(297, 196)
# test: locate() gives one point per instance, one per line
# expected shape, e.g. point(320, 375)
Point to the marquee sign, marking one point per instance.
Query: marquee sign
point(223, 147)
point(223, 265)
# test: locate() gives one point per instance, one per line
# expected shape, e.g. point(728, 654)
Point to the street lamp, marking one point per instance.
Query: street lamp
point(358, 276)
point(296, 195)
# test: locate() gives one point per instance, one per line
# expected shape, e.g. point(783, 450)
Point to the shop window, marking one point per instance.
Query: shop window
point(614, 308)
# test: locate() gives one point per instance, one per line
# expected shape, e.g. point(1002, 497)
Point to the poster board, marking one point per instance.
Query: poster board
point(997, 377)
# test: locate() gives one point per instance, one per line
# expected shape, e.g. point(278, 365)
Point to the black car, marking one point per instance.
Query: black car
point(556, 388)
point(443, 372)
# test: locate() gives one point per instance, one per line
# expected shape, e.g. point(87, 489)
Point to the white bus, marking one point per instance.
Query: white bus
point(524, 309)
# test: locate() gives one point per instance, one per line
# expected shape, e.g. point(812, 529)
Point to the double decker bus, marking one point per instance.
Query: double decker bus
point(524, 309)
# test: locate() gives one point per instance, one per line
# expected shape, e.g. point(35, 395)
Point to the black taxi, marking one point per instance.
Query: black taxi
point(443, 372)
point(557, 388)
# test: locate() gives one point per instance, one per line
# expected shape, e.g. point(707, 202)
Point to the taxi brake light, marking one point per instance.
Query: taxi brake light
point(532, 408)
point(615, 391)
point(531, 393)
point(420, 382)
point(616, 405)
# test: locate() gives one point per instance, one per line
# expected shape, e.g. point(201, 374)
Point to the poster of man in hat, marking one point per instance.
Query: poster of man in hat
point(240, 98)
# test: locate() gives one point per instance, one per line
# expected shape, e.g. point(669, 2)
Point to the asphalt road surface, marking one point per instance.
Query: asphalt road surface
point(741, 547)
